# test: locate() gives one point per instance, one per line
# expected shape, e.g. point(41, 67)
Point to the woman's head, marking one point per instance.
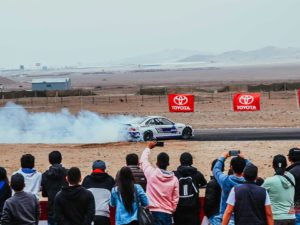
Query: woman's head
point(125, 175)
point(3, 174)
point(279, 164)
point(125, 182)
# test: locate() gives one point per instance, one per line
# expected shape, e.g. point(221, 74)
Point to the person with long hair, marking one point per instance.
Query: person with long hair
point(281, 188)
point(5, 191)
point(123, 197)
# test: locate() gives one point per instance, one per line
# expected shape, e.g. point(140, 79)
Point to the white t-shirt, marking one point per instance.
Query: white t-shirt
point(231, 198)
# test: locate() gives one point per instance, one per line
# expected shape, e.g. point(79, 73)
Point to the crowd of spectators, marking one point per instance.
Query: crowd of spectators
point(238, 196)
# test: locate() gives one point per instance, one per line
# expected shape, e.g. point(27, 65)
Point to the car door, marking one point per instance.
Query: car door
point(166, 128)
point(152, 125)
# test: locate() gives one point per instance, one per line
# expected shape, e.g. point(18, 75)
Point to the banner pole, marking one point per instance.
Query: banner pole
point(231, 101)
point(297, 98)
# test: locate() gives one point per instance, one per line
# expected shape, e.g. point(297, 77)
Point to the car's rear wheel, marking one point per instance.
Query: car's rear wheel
point(148, 136)
point(186, 133)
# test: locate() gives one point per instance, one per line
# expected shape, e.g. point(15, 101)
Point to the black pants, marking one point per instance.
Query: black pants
point(132, 223)
point(187, 217)
point(284, 222)
point(101, 220)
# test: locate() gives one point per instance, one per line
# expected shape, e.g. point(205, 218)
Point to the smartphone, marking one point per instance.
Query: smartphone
point(159, 144)
point(234, 153)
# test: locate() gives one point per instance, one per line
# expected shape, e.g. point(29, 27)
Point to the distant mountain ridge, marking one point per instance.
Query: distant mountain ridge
point(166, 56)
point(267, 54)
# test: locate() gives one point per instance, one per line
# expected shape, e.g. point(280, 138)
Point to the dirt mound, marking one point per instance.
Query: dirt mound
point(6, 81)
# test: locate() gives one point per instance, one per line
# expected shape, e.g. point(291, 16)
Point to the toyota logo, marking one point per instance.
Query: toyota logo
point(180, 100)
point(246, 99)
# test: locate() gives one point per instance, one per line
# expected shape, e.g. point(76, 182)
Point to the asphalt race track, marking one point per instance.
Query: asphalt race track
point(246, 134)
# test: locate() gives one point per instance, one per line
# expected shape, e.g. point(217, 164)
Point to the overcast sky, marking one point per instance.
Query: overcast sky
point(62, 32)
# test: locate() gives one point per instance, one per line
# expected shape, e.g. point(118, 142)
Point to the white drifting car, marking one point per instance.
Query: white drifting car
point(149, 127)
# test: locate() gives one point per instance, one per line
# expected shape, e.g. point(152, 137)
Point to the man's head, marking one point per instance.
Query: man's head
point(238, 164)
point(214, 163)
point(279, 164)
point(74, 176)
point(132, 159)
point(162, 160)
point(186, 159)
point(17, 182)
point(55, 157)
point(294, 155)
point(99, 164)
point(250, 172)
point(27, 161)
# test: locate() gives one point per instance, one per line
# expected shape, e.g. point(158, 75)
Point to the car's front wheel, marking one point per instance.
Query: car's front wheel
point(186, 133)
point(148, 136)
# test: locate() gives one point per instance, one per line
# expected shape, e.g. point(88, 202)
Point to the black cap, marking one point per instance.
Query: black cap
point(294, 152)
point(99, 164)
point(279, 163)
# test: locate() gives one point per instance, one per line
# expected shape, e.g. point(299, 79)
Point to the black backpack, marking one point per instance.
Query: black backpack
point(188, 192)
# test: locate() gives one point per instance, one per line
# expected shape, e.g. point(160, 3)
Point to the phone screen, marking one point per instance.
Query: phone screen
point(159, 144)
point(234, 153)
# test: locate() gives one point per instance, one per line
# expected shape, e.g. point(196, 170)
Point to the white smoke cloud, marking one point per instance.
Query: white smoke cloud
point(19, 126)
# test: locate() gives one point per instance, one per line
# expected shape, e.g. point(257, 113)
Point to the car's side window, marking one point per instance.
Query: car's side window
point(150, 122)
point(165, 121)
point(158, 122)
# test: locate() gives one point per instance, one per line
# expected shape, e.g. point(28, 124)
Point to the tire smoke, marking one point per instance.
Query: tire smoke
point(19, 126)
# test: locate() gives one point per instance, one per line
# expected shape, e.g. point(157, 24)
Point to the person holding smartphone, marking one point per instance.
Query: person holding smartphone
point(227, 182)
point(162, 186)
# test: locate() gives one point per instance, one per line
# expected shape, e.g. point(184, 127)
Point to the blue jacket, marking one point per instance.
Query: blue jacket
point(122, 216)
point(226, 182)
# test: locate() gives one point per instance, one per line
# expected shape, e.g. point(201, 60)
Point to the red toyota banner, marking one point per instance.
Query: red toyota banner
point(246, 102)
point(298, 99)
point(181, 103)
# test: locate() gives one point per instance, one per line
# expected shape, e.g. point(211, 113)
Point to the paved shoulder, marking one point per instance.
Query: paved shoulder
point(245, 134)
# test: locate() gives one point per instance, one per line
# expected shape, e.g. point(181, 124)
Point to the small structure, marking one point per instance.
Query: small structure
point(51, 84)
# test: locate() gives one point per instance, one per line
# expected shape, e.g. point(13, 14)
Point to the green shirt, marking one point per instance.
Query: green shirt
point(281, 194)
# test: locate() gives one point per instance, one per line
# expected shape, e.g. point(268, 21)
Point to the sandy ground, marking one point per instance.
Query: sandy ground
point(202, 76)
point(279, 109)
point(82, 155)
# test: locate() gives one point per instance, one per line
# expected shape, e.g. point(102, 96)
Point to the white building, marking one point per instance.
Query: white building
point(51, 84)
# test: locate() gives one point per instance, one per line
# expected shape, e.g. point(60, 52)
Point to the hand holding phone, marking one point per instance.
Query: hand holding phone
point(159, 144)
point(234, 152)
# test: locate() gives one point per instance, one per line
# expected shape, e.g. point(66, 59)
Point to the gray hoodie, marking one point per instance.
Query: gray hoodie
point(32, 180)
point(21, 209)
point(281, 193)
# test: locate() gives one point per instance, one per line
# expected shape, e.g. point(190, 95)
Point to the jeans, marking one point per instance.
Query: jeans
point(298, 218)
point(214, 220)
point(51, 220)
point(219, 219)
point(161, 218)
